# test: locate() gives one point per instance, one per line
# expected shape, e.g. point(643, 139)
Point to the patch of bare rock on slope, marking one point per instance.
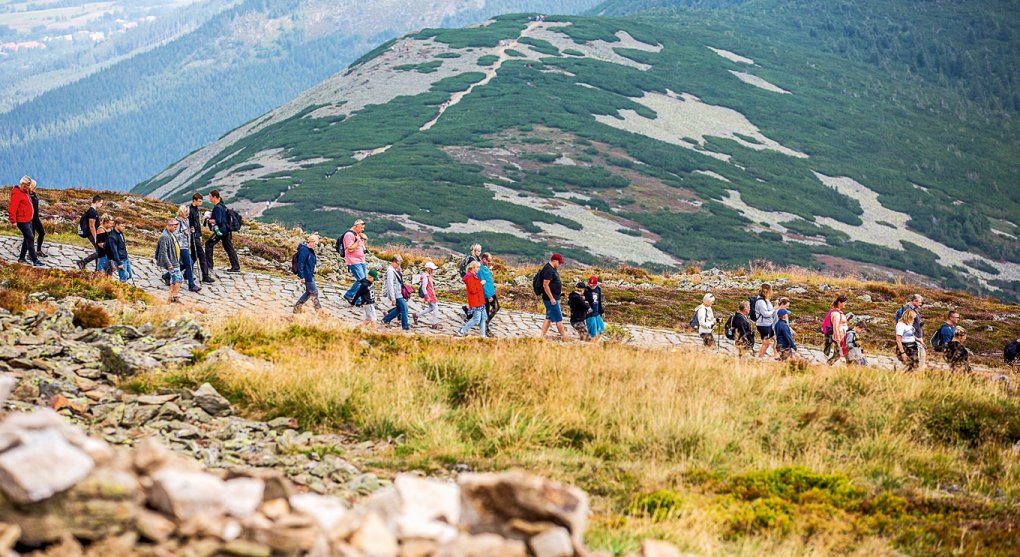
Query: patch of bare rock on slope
point(89, 470)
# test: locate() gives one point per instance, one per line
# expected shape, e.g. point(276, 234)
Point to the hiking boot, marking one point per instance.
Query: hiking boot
point(40, 253)
point(208, 280)
point(38, 263)
point(80, 264)
point(435, 326)
point(238, 270)
point(195, 289)
point(22, 262)
point(414, 317)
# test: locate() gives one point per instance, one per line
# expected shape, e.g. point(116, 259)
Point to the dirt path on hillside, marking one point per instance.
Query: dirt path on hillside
point(490, 73)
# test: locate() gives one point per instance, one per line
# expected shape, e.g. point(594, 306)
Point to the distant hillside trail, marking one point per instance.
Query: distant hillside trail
point(268, 296)
point(490, 73)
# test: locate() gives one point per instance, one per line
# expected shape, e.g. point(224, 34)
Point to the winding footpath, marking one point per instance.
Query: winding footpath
point(268, 296)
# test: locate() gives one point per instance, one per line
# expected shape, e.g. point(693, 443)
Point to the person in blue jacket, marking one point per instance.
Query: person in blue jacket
point(947, 331)
point(488, 287)
point(784, 335)
point(306, 261)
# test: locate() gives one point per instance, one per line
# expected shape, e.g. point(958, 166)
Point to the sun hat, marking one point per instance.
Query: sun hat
point(430, 265)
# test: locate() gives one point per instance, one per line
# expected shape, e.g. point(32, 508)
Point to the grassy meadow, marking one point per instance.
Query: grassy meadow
point(718, 455)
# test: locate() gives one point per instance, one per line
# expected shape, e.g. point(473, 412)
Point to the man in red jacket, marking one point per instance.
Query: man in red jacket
point(21, 212)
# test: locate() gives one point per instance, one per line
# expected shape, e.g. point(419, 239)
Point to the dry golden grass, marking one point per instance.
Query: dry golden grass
point(624, 423)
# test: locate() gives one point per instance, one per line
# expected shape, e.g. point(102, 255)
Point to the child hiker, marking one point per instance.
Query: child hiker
point(365, 297)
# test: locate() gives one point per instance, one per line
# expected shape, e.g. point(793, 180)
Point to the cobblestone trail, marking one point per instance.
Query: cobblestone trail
point(273, 297)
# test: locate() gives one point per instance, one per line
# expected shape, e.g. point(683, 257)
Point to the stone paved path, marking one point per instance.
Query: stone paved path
point(273, 297)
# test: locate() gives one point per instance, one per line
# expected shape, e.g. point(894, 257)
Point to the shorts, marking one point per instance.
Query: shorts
point(595, 325)
point(175, 276)
point(766, 332)
point(369, 312)
point(582, 330)
point(553, 312)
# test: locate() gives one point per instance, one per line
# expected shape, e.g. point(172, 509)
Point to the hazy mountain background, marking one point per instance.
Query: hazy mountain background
point(104, 94)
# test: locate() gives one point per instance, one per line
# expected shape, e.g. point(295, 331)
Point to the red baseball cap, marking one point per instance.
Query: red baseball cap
point(593, 279)
point(556, 257)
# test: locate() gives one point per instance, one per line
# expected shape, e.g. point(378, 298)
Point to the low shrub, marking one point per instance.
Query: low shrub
point(91, 316)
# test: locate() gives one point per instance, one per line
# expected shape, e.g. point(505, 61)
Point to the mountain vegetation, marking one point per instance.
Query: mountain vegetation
point(587, 123)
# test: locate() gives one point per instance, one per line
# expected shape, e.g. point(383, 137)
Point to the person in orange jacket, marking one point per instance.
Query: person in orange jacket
point(476, 300)
point(21, 213)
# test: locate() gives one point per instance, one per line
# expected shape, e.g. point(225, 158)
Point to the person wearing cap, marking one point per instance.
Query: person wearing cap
point(593, 295)
point(706, 320)
point(21, 213)
point(393, 290)
point(475, 299)
point(168, 257)
point(365, 297)
point(354, 243)
point(580, 311)
point(488, 286)
point(306, 261)
point(427, 289)
point(854, 351)
point(784, 336)
point(552, 290)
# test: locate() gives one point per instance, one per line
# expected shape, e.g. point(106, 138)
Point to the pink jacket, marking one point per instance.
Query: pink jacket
point(430, 289)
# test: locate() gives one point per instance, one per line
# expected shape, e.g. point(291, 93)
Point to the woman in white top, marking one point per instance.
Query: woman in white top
point(906, 343)
point(706, 320)
point(840, 326)
point(766, 318)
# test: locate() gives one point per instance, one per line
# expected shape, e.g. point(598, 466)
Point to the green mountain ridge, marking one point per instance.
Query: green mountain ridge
point(659, 139)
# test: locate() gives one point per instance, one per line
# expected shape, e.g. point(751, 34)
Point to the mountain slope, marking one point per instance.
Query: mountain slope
point(121, 124)
point(654, 141)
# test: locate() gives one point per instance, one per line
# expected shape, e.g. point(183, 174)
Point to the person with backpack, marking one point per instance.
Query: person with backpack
point(427, 291)
point(489, 286)
point(474, 255)
point(351, 245)
point(195, 242)
point(365, 297)
point(915, 303)
point(475, 300)
point(596, 323)
point(37, 225)
point(394, 290)
point(942, 337)
point(764, 317)
point(168, 258)
point(88, 227)
point(116, 251)
point(784, 336)
point(580, 311)
point(854, 351)
point(704, 320)
point(740, 331)
point(102, 233)
point(222, 221)
point(838, 326)
point(547, 284)
point(183, 234)
point(21, 213)
point(906, 339)
point(305, 264)
point(957, 355)
point(1011, 353)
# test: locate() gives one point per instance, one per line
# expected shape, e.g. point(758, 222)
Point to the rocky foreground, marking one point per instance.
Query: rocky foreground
point(89, 469)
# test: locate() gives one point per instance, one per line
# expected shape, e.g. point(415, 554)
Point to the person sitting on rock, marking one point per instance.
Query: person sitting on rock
point(784, 336)
point(957, 355)
point(580, 311)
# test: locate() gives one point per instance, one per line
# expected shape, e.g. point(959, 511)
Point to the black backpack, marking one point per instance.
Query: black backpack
point(731, 331)
point(536, 284)
point(753, 316)
point(694, 320)
point(293, 262)
point(83, 225)
point(1011, 352)
point(464, 263)
point(340, 247)
point(234, 220)
point(936, 340)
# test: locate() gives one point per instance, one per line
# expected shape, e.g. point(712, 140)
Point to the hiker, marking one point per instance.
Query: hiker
point(839, 325)
point(168, 257)
point(489, 286)
point(1011, 353)
point(195, 243)
point(854, 351)
point(743, 332)
point(593, 295)
point(946, 332)
point(705, 320)
point(102, 233)
point(475, 299)
point(88, 228)
point(957, 355)
point(183, 234)
point(474, 255)
point(116, 251)
point(427, 290)
point(353, 243)
point(306, 261)
point(394, 291)
point(365, 297)
point(906, 339)
point(764, 316)
point(37, 225)
point(580, 311)
point(221, 234)
point(784, 336)
point(551, 289)
point(915, 303)
point(21, 213)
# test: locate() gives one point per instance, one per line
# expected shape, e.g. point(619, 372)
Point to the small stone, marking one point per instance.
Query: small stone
point(328, 512)
point(657, 548)
point(43, 465)
point(9, 535)
point(796, 290)
point(7, 384)
point(283, 423)
point(483, 545)
point(125, 362)
point(554, 542)
point(184, 494)
point(156, 400)
point(154, 526)
point(244, 495)
point(243, 548)
point(865, 298)
point(374, 539)
point(208, 399)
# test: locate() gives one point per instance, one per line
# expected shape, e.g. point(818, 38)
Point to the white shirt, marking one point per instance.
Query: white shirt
point(706, 319)
point(906, 332)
